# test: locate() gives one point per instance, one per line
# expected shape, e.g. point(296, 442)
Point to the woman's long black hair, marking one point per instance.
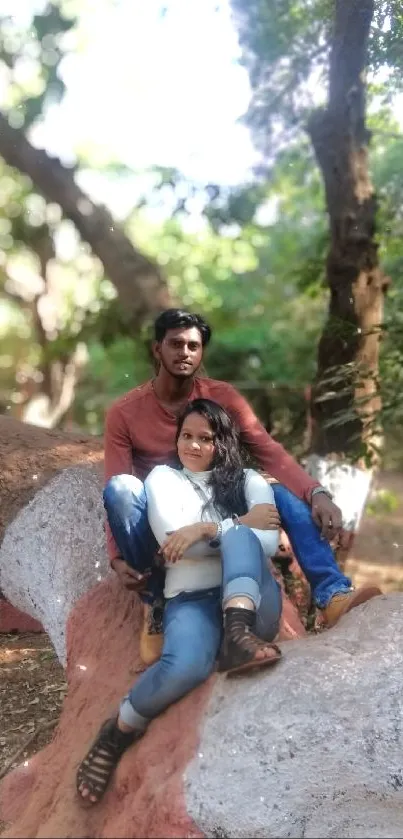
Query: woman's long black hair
point(227, 477)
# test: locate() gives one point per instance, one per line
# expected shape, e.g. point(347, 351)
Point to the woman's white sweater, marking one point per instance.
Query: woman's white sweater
point(178, 498)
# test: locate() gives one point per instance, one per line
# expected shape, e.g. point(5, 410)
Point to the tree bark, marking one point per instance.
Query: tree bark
point(141, 288)
point(348, 353)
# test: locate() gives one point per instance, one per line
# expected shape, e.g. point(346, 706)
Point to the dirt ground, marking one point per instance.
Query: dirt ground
point(377, 552)
point(32, 689)
point(32, 683)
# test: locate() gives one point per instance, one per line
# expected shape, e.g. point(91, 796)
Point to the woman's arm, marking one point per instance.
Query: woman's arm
point(260, 498)
point(169, 509)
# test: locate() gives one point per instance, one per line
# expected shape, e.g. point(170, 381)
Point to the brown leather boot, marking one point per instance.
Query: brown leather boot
point(151, 638)
point(241, 649)
point(344, 602)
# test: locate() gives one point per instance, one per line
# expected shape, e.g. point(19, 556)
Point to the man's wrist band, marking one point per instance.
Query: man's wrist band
point(317, 490)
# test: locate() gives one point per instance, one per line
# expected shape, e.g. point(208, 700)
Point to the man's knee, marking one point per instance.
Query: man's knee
point(120, 488)
point(289, 505)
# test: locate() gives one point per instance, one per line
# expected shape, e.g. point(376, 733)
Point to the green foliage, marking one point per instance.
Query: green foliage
point(385, 502)
point(31, 51)
point(254, 265)
point(285, 47)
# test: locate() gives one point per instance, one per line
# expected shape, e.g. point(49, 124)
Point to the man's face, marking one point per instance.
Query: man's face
point(180, 352)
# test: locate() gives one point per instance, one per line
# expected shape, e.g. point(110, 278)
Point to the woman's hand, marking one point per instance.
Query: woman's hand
point(262, 517)
point(178, 542)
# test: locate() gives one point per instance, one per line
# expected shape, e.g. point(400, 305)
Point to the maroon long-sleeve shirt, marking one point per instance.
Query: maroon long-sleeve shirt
point(140, 434)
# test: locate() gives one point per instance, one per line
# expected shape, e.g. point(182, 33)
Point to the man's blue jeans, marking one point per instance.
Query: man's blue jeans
point(193, 627)
point(126, 507)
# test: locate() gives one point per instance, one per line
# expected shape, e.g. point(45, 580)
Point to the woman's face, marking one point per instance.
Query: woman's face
point(196, 444)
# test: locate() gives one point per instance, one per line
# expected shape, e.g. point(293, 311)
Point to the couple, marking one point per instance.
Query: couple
point(188, 513)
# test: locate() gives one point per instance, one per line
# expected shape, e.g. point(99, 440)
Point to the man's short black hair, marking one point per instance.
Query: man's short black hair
point(180, 319)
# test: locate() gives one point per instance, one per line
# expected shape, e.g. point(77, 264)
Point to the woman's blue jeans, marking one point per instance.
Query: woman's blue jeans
point(193, 625)
point(126, 507)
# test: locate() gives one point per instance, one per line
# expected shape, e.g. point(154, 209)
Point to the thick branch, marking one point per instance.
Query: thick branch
point(140, 285)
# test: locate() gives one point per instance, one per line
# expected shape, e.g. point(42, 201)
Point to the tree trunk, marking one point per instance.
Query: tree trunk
point(346, 383)
point(141, 288)
point(346, 387)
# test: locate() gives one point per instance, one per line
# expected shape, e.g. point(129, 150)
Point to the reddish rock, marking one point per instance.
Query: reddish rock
point(13, 620)
point(291, 626)
point(146, 798)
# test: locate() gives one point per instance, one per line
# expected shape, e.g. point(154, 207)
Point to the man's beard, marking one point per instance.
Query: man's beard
point(180, 375)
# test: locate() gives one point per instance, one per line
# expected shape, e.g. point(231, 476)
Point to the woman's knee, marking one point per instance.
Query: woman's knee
point(187, 673)
point(239, 534)
point(120, 488)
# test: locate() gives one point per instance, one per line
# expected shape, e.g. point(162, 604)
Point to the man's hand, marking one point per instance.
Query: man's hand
point(327, 516)
point(130, 578)
point(262, 517)
point(177, 542)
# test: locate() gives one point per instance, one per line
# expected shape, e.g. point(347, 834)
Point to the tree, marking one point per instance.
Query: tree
point(138, 280)
point(292, 50)
point(50, 366)
point(349, 345)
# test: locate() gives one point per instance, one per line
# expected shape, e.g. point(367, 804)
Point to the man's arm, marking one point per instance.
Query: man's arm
point(118, 460)
point(270, 455)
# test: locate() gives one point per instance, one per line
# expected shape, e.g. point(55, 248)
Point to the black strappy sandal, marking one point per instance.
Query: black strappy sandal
point(240, 644)
point(96, 770)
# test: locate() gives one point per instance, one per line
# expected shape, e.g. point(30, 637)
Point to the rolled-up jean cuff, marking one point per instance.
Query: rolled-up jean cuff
point(131, 717)
point(242, 587)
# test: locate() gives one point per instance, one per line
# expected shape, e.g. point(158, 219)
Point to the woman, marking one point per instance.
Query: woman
point(208, 518)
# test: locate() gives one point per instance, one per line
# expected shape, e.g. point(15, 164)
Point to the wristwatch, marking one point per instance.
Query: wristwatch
point(216, 541)
point(317, 490)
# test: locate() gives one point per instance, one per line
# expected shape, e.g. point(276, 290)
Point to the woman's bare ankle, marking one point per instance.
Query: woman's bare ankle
point(240, 603)
point(122, 726)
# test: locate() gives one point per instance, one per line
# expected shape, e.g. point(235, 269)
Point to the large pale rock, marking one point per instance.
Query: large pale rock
point(54, 550)
point(30, 457)
point(313, 748)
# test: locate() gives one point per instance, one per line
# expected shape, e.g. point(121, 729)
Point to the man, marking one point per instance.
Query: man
point(140, 434)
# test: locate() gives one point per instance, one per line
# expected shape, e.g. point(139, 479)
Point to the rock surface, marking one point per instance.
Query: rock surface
point(13, 620)
point(146, 798)
point(54, 550)
point(29, 458)
point(313, 749)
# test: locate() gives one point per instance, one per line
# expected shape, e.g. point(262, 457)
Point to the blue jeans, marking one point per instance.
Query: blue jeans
point(193, 628)
point(313, 553)
point(126, 507)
